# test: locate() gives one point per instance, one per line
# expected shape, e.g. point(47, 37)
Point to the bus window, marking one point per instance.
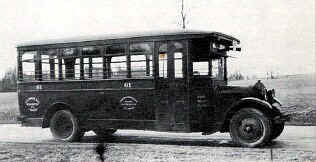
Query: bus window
point(118, 49)
point(200, 68)
point(92, 63)
point(86, 67)
point(163, 61)
point(97, 68)
point(28, 64)
point(45, 67)
point(141, 60)
point(178, 72)
point(118, 67)
point(115, 54)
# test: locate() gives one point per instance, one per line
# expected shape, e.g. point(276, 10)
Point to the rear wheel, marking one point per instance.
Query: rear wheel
point(250, 127)
point(64, 126)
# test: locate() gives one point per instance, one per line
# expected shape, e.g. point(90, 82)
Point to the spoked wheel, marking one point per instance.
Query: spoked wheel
point(250, 127)
point(277, 130)
point(104, 133)
point(64, 126)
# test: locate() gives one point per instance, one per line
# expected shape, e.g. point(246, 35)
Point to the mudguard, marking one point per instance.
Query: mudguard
point(244, 102)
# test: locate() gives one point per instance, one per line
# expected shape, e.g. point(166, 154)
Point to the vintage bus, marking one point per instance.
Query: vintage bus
point(162, 81)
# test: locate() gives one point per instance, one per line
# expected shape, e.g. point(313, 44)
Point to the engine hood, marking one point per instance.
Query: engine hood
point(236, 91)
point(258, 90)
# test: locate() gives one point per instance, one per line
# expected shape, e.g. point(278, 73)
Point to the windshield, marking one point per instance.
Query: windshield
point(218, 69)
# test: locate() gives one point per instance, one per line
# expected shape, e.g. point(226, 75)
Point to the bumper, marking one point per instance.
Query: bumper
point(281, 118)
point(30, 122)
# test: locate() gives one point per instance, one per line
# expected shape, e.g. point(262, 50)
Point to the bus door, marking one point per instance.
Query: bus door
point(171, 84)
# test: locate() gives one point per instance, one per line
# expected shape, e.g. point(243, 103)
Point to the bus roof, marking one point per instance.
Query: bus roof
point(127, 36)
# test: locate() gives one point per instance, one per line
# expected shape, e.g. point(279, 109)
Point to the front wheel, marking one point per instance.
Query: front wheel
point(250, 127)
point(64, 126)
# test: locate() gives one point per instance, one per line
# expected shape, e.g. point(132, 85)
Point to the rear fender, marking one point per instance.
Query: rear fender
point(51, 110)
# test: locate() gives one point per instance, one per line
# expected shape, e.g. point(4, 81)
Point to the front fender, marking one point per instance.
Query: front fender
point(259, 104)
point(255, 100)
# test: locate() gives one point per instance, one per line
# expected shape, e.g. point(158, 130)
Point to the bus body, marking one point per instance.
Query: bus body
point(162, 81)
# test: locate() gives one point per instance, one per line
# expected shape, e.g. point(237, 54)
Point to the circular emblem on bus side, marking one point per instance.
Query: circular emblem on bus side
point(128, 103)
point(32, 103)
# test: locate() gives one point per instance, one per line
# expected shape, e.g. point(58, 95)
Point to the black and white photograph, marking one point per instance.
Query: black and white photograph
point(157, 81)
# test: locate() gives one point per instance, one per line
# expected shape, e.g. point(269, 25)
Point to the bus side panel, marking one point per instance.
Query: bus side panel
point(121, 106)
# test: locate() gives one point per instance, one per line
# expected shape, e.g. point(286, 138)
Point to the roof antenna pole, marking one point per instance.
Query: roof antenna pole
point(183, 15)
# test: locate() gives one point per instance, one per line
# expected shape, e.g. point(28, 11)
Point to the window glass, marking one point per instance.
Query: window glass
point(56, 69)
point(178, 71)
point(141, 66)
point(77, 68)
point(141, 48)
point(91, 51)
point(116, 49)
point(71, 68)
point(163, 65)
point(45, 67)
point(86, 68)
point(141, 59)
point(68, 52)
point(118, 67)
point(218, 69)
point(200, 68)
point(28, 64)
point(97, 68)
point(92, 63)
point(163, 61)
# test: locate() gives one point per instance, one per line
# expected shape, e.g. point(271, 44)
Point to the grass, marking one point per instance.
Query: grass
point(297, 95)
point(8, 107)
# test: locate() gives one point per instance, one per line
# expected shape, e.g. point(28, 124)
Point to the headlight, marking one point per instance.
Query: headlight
point(271, 93)
point(259, 86)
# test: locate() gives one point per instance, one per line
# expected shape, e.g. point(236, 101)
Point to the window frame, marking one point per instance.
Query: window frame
point(149, 63)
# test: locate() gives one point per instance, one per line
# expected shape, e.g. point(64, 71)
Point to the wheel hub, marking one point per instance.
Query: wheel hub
point(250, 129)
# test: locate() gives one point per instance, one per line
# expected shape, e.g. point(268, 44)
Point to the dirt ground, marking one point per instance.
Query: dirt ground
point(296, 144)
point(13, 152)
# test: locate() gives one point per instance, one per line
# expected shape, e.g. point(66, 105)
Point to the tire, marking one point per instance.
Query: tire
point(104, 133)
point(277, 130)
point(250, 127)
point(64, 126)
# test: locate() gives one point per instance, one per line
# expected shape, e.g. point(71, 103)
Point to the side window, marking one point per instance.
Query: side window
point(28, 64)
point(92, 62)
point(178, 72)
point(97, 68)
point(118, 67)
point(116, 61)
point(200, 68)
point(50, 64)
point(141, 60)
point(68, 60)
point(178, 56)
point(163, 61)
point(45, 59)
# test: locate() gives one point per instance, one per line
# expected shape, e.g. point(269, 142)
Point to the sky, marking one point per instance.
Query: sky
point(276, 36)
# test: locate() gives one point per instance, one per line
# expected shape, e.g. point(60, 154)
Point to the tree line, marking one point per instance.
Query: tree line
point(8, 82)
